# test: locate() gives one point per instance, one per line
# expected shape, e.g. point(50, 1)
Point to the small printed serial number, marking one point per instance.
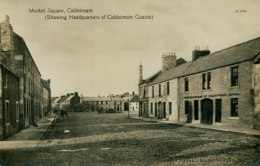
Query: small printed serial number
point(240, 11)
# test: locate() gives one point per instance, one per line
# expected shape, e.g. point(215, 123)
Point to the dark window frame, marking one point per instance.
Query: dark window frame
point(234, 107)
point(170, 108)
point(234, 76)
point(186, 84)
point(152, 91)
point(168, 88)
point(151, 108)
point(209, 80)
point(204, 81)
point(160, 90)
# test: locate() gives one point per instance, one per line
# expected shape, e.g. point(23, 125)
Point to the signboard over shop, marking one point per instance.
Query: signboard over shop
point(214, 95)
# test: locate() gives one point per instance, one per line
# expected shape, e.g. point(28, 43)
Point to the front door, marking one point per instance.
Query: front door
point(207, 111)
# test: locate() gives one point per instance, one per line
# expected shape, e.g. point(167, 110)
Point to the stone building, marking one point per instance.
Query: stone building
point(9, 104)
point(16, 56)
point(222, 88)
point(134, 103)
point(71, 101)
point(46, 97)
point(163, 93)
point(143, 91)
point(102, 103)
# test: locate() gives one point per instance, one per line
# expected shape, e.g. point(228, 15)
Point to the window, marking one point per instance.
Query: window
point(206, 81)
point(101, 102)
point(151, 108)
point(186, 84)
point(203, 81)
point(17, 111)
point(234, 107)
point(114, 102)
point(7, 112)
point(170, 108)
point(209, 80)
point(106, 102)
point(234, 76)
point(153, 91)
point(144, 93)
point(168, 88)
point(187, 107)
point(159, 89)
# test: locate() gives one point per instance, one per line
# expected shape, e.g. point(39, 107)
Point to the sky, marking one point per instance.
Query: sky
point(102, 56)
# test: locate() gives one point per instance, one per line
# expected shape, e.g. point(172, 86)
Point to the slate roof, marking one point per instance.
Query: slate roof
point(46, 84)
point(101, 99)
point(70, 97)
point(171, 74)
point(235, 54)
point(151, 78)
point(63, 98)
point(135, 99)
point(54, 98)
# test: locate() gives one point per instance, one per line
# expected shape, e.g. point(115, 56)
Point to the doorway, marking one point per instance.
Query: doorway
point(207, 111)
point(196, 109)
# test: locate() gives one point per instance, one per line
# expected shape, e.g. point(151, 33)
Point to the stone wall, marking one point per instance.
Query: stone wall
point(168, 61)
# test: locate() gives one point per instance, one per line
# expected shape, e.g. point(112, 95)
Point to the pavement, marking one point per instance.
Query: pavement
point(134, 115)
point(33, 133)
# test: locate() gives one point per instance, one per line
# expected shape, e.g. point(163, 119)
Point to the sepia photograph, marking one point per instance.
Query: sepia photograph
point(129, 82)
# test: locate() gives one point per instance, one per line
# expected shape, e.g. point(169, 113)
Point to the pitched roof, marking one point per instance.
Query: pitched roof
point(46, 84)
point(54, 98)
point(235, 54)
point(151, 78)
point(171, 74)
point(101, 99)
point(63, 98)
point(135, 99)
point(70, 97)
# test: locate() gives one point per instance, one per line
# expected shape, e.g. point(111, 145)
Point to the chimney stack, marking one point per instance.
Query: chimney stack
point(68, 94)
point(197, 53)
point(140, 73)
point(76, 93)
point(168, 61)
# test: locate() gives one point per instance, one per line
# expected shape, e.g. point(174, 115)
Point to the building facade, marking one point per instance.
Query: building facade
point(102, 103)
point(16, 56)
point(9, 104)
point(134, 103)
point(220, 88)
point(71, 101)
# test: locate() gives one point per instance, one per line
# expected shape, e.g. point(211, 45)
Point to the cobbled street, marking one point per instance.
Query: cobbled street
point(114, 139)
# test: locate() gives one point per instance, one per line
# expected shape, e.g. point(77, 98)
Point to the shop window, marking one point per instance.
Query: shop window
point(170, 108)
point(234, 76)
point(159, 90)
point(234, 107)
point(152, 91)
point(186, 84)
point(151, 108)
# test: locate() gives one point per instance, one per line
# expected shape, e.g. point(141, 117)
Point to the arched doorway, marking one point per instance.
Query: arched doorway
point(207, 111)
